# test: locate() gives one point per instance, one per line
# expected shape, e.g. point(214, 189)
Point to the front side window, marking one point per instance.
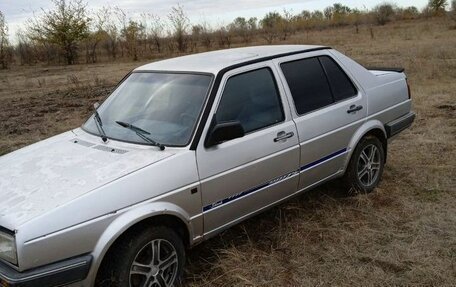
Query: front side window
point(165, 105)
point(252, 99)
point(308, 84)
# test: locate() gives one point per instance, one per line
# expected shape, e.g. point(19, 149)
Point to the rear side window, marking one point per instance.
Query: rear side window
point(308, 84)
point(341, 85)
point(316, 83)
point(252, 99)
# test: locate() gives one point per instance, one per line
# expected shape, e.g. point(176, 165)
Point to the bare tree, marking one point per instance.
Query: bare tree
point(317, 15)
point(110, 42)
point(340, 13)
point(122, 20)
point(131, 33)
point(201, 33)
point(64, 27)
point(180, 23)
point(304, 15)
point(97, 35)
point(286, 24)
point(383, 13)
point(44, 51)
point(224, 36)
point(408, 13)
point(328, 12)
point(154, 29)
point(169, 42)
point(437, 7)
point(4, 43)
point(206, 35)
point(195, 37)
point(24, 48)
point(243, 28)
point(252, 24)
point(112, 30)
point(355, 19)
point(271, 26)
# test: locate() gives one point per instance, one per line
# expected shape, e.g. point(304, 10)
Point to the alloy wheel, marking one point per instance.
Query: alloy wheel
point(155, 265)
point(369, 165)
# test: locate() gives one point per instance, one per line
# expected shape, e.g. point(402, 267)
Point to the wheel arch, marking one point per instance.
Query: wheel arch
point(372, 127)
point(149, 215)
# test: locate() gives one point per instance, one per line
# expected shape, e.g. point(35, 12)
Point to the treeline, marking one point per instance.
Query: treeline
point(70, 33)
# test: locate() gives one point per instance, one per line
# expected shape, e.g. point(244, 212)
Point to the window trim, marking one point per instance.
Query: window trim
point(279, 96)
point(327, 81)
point(197, 140)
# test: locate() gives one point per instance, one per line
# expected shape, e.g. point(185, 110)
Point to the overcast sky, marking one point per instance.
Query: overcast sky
point(215, 12)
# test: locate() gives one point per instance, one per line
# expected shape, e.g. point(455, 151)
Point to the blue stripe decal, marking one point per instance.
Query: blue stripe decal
point(274, 181)
point(312, 164)
point(247, 192)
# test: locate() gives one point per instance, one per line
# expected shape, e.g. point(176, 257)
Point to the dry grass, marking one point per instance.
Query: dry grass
point(402, 234)
point(38, 102)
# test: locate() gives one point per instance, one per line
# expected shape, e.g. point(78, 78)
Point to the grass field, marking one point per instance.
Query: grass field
point(404, 233)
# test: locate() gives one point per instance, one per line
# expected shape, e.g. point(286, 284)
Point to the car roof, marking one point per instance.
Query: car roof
point(213, 62)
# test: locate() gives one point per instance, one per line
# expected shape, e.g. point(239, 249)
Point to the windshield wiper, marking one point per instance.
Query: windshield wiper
point(99, 123)
point(141, 133)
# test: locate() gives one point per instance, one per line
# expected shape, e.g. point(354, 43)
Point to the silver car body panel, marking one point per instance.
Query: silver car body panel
point(236, 185)
point(85, 217)
point(323, 142)
point(73, 194)
point(81, 167)
point(215, 61)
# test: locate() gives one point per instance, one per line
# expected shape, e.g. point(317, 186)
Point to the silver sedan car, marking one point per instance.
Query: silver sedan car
point(185, 148)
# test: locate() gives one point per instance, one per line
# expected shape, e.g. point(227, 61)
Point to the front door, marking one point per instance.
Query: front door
point(244, 175)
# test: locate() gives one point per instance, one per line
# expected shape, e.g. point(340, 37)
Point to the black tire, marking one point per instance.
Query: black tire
point(354, 182)
point(136, 248)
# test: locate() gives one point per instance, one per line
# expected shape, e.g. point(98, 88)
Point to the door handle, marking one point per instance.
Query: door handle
point(283, 136)
point(354, 109)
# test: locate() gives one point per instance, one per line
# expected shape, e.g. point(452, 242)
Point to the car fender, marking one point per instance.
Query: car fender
point(360, 133)
point(126, 220)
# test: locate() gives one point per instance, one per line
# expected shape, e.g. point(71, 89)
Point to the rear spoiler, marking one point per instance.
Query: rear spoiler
point(398, 70)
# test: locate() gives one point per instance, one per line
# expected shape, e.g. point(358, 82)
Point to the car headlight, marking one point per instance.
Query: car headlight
point(8, 248)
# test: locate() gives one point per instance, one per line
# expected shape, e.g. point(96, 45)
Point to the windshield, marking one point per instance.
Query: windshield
point(166, 105)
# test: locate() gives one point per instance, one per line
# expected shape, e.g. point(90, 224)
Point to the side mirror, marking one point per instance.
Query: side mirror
point(96, 105)
point(223, 132)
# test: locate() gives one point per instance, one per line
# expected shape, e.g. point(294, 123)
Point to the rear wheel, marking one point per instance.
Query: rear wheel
point(149, 258)
point(366, 166)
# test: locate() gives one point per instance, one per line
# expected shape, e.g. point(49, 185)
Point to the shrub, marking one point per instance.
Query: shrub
point(384, 13)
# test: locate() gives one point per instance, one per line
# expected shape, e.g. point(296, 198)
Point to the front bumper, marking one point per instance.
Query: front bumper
point(56, 274)
point(400, 124)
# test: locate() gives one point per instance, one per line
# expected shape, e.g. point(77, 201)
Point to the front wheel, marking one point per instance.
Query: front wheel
point(366, 166)
point(149, 258)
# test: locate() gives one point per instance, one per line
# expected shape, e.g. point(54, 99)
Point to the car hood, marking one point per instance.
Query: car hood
point(43, 176)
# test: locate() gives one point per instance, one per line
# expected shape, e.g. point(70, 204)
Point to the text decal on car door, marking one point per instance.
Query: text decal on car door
point(247, 192)
point(272, 182)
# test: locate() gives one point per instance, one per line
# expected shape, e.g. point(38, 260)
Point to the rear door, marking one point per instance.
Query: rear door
point(328, 108)
point(241, 176)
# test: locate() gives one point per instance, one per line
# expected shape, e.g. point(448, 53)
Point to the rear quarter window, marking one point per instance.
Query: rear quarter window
point(341, 85)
